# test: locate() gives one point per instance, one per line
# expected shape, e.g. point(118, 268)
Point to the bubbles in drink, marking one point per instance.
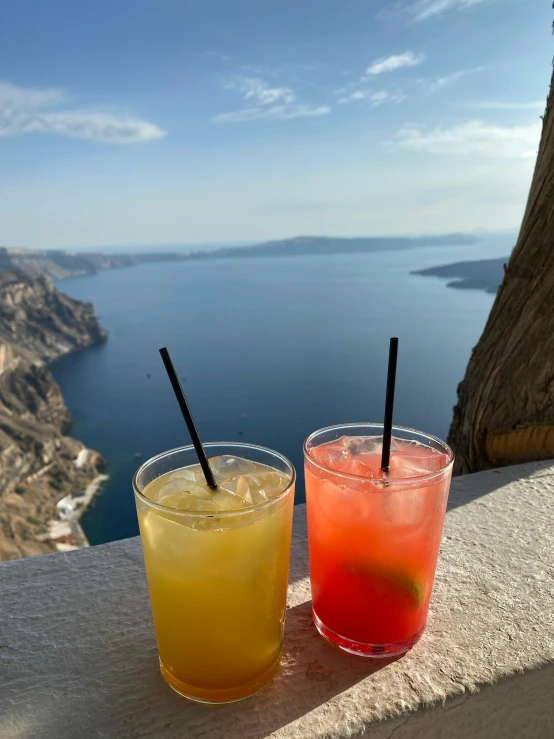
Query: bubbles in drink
point(241, 483)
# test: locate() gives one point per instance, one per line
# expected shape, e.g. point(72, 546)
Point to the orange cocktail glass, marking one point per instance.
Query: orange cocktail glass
point(217, 566)
point(374, 538)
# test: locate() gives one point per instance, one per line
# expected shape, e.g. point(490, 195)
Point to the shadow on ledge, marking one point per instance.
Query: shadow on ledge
point(136, 702)
point(468, 488)
point(312, 673)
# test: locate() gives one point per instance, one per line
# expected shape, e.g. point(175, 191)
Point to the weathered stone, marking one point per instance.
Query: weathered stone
point(78, 655)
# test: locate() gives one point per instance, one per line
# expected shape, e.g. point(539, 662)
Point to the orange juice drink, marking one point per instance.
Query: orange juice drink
point(217, 566)
point(374, 538)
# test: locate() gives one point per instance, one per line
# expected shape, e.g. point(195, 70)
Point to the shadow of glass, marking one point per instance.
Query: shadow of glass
point(312, 673)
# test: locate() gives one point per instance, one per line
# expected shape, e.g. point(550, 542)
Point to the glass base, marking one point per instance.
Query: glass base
point(226, 695)
point(361, 649)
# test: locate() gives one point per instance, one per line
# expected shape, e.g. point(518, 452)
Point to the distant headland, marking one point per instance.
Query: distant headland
point(484, 274)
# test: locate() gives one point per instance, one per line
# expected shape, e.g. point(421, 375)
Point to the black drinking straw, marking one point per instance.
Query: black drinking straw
point(389, 404)
point(187, 415)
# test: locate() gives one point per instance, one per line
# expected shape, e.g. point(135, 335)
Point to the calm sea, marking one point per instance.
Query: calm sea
point(271, 347)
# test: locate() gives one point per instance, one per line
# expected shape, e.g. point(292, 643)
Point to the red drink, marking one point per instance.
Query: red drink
point(374, 539)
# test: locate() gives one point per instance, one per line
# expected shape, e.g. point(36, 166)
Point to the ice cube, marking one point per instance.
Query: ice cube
point(184, 501)
point(333, 454)
point(367, 444)
point(404, 507)
point(226, 466)
point(185, 473)
point(184, 485)
point(268, 483)
point(256, 488)
point(161, 533)
point(415, 459)
point(357, 467)
point(242, 487)
point(225, 500)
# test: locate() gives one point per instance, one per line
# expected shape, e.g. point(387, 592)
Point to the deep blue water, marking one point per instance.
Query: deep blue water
point(274, 347)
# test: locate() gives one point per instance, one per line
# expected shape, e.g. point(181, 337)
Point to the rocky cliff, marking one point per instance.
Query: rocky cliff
point(58, 264)
point(37, 458)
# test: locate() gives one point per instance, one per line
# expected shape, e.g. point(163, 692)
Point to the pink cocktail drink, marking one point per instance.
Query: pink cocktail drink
point(374, 538)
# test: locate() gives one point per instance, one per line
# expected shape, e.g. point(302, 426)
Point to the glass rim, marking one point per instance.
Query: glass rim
point(207, 514)
point(382, 483)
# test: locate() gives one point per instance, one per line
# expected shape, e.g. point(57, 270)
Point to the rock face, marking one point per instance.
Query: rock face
point(58, 264)
point(40, 320)
point(37, 458)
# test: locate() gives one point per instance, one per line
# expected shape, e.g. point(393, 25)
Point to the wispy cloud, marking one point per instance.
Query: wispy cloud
point(423, 9)
point(433, 84)
point(384, 96)
point(26, 110)
point(375, 99)
point(260, 100)
point(396, 61)
point(473, 137)
point(26, 98)
point(506, 105)
point(352, 97)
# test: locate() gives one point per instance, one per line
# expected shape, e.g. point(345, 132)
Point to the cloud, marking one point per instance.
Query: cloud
point(277, 112)
point(27, 110)
point(433, 84)
point(502, 105)
point(473, 137)
point(397, 61)
point(383, 96)
point(374, 98)
point(352, 97)
point(424, 9)
point(20, 98)
point(79, 124)
point(264, 102)
point(352, 92)
point(258, 91)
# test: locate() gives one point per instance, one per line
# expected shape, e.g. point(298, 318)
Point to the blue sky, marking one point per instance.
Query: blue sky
point(171, 121)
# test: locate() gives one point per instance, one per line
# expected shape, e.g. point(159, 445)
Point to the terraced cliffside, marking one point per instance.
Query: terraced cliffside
point(39, 462)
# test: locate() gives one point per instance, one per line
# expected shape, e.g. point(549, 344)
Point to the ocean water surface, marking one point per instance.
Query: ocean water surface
point(271, 349)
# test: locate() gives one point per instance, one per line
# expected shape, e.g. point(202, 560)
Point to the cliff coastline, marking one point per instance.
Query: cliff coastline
point(40, 464)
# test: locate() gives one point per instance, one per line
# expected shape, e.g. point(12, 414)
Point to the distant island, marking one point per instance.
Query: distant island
point(57, 264)
point(484, 274)
point(310, 245)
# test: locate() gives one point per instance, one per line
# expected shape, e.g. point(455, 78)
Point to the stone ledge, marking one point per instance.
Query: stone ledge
point(78, 655)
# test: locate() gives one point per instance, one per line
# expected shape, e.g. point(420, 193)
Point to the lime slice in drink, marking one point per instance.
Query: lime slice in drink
point(376, 573)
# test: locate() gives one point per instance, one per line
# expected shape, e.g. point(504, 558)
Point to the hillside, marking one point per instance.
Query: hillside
point(483, 274)
point(37, 459)
point(58, 264)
